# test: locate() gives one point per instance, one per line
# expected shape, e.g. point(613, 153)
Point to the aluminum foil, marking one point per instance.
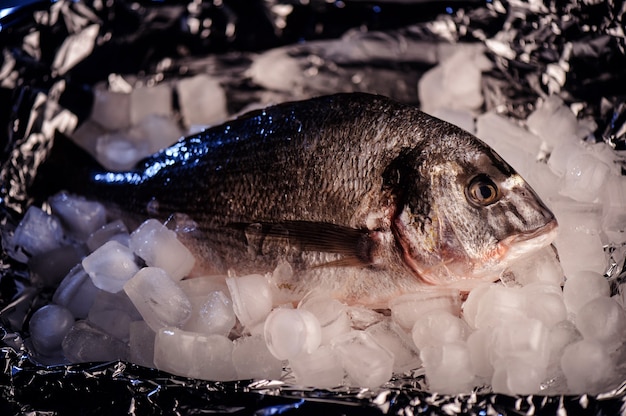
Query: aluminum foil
point(54, 53)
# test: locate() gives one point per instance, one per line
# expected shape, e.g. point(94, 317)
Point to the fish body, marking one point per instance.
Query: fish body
point(366, 198)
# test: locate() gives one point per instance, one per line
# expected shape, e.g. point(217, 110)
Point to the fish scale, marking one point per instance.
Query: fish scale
point(367, 198)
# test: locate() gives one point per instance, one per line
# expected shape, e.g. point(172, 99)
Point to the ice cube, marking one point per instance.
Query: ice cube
point(545, 303)
point(513, 375)
point(282, 274)
point(86, 135)
point(444, 86)
point(188, 354)
point(76, 292)
point(580, 251)
point(79, 216)
point(543, 181)
point(438, 328)
point(118, 300)
point(587, 366)
point(367, 363)
point(319, 369)
point(48, 326)
point(480, 343)
point(562, 153)
point(493, 305)
point(159, 300)
point(203, 285)
point(585, 177)
point(36, 233)
point(390, 335)
point(110, 266)
point(515, 144)
point(541, 267)
point(208, 261)
point(579, 242)
point(331, 314)
point(49, 268)
point(253, 360)
point(614, 208)
point(157, 132)
point(159, 247)
point(561, 335)
point(141, 344)
point(111, 109)
point(603, 320)
point(146, 101)
point(276, 70)
point(362, 317)
point(554, 122)
point(604, 153)
point(256, 329)
point(115, 230)
point(289, 332)
point(448, 368)
point(85, 343)
point(472, 303)
point(575, 216)
point(252, 298)
point(582, 287)
point(211, 314)
point(620, 295)
point(525, 338)
point(120, 151)
point(407, 309)
point(202, 100)
point(113, 313)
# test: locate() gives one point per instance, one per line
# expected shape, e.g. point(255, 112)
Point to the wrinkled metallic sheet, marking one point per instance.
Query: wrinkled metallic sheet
point(574, 49)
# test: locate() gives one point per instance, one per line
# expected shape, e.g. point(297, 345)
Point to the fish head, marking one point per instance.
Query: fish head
point(465, 214)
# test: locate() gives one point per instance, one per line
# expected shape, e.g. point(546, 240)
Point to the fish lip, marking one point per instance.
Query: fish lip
point(510, 250)
point(545, 235)
point(523, 245)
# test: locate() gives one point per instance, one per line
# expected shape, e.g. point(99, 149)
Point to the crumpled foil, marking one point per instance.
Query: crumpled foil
point(53, 53)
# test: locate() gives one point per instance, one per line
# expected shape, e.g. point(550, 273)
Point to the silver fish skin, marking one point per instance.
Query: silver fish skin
point(366, 198)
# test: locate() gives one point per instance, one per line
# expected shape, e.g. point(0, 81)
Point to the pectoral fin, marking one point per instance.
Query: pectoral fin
point(355, 245)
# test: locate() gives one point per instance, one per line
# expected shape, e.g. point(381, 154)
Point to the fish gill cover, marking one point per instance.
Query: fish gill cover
point(55, 54)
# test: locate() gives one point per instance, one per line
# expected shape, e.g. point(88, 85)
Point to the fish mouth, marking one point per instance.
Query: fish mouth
point(523, 244)
point(514, 248)
point(465, 275)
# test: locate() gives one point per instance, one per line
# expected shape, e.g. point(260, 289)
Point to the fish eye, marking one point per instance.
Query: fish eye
point(482, 191)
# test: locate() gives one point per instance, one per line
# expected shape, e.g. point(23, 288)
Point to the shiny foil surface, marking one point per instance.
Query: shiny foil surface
point(53, 53)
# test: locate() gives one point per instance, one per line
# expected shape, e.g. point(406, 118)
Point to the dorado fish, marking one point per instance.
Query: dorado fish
point(364, 197)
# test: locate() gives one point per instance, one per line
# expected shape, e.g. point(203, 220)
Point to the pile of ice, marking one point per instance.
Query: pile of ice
point(127, 298)
point(132, 119)
point(548, 326)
